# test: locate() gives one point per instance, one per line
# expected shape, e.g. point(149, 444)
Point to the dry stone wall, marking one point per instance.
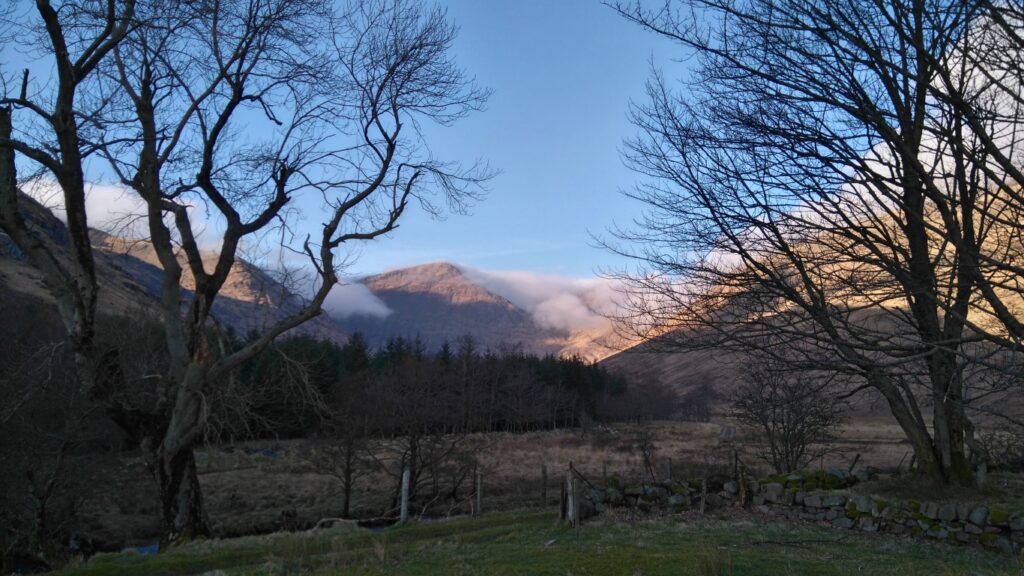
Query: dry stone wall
point(823, 497)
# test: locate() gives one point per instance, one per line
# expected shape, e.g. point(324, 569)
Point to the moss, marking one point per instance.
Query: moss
point(988, 538)
point(913, 505)
point(614, 482)
point(773, 479)
point(998, 516)
point(680, 490)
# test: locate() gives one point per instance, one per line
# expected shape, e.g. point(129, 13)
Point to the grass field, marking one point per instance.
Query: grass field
point(533, 542)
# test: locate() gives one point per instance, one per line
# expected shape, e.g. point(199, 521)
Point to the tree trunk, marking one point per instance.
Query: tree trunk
point(181, 498)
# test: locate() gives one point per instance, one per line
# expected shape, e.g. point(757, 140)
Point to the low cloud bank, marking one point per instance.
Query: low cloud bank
point(353, 298)
point(555, 302)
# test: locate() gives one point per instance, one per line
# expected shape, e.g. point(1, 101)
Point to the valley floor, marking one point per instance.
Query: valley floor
point(533, 542)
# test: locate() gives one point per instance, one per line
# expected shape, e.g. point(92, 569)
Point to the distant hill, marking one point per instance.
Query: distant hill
point(439, 303)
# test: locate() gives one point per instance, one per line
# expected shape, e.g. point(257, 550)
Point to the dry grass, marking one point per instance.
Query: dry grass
point(248, 492)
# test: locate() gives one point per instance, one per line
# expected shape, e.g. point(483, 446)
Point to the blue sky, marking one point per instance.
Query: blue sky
point(563, 73)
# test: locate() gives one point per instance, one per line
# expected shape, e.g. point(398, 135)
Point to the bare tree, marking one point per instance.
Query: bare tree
point(250, 110)
point(812, 189)
point(795, 417)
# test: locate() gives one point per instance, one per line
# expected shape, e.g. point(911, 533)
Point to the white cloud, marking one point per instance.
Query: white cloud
point(354, 299)
point(119, 211)
point(109, 208)
point(556, 302)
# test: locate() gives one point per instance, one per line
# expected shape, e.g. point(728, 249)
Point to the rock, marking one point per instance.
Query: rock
point(1004, 545)
point(963, 512)
point(731, 487)
point(795, 478)
point(930, 510)
point(999, 517)
point(862, 475)
point(798, 498)
point(844, 523)
point(1017, 523)
point(678, 500)
point(832, 514)
point(947, 512)
point(937, 532)
point(963, 537)
point(598, 496)
point(867, 524)
point(896, 528)
point(634, 490)
point(830, 500)
point(839, 473)
point(972, 529)
point(862, 504)
point(813, 501)
point(978, 516)
point(763, 509)
point(773, 492)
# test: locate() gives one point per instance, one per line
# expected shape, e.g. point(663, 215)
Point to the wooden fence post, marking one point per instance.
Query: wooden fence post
point(479, 492)
point(703, 494)
point(543, 485)
point(571, 512)
point(404, 514)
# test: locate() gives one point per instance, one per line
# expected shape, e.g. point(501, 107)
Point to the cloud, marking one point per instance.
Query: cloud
point(353, 299)
point(109, 208)
point(555, 302)
point(119, 211)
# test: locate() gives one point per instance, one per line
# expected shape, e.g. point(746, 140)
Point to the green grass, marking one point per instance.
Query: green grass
point(532, 542)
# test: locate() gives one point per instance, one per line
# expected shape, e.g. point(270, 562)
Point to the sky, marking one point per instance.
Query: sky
point(563, 73)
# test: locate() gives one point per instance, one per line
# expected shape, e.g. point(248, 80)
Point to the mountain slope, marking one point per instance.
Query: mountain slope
point(129, 276)
point(438, 304)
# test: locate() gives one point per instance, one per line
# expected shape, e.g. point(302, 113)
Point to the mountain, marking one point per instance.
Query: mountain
point(436, 302)
point(440, 302)
point(129, 275)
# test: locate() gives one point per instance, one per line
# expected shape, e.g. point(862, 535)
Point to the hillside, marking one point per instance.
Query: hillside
point(439, 302)
point(129, 276)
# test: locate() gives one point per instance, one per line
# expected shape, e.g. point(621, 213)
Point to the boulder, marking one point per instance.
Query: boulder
point(978, 516)
point(830, 500)
point(862, 504)
point(843, 522)
point(813, 501)
point(731, 487)
point(867, 524)
point(679, 500)
point(773, 492)
point(947, 512)
point(1017, 523)
point(963, 512)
